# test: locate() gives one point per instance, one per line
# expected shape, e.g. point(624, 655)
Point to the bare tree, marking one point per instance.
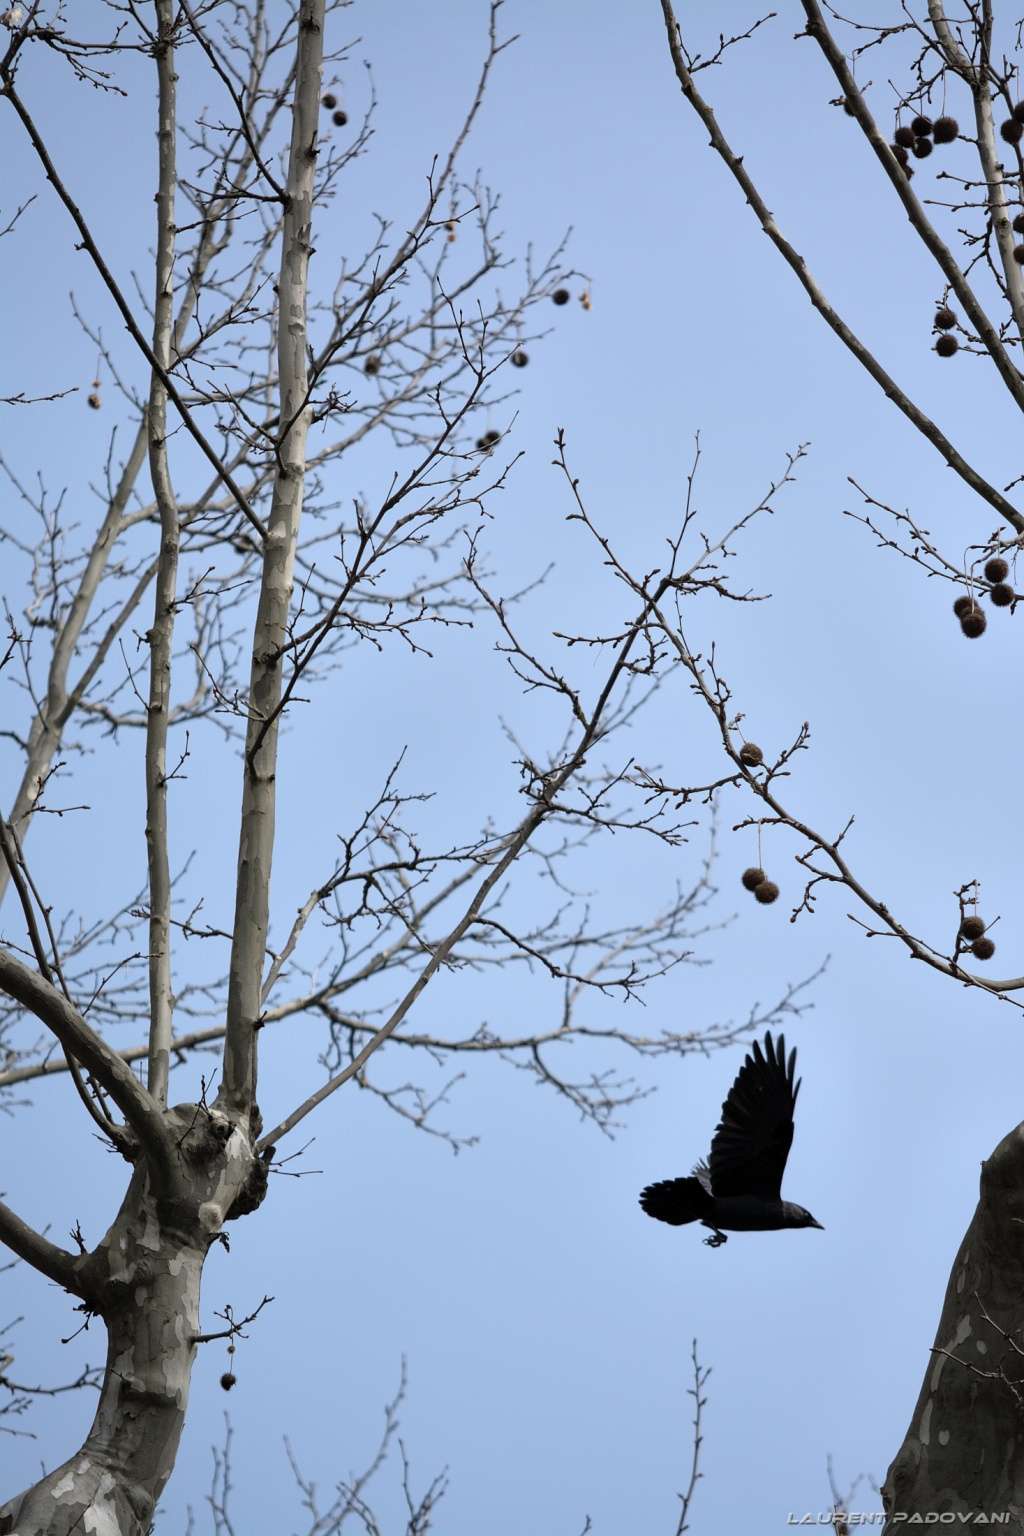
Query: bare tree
point(951, 89)
point(246, 389)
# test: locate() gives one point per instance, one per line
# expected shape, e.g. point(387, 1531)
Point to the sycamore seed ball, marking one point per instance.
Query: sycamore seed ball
point(751, 755)
point(228, 1380)
point(964, 605)
point(1018, 112)
point(944, 318)
point(766, 893)
point(922, 148)
point(946, 130)
point(339, 118)
point(974, 624)
point(329, 102)
point(983, 949)
point(922, 126)
point(972, 928)
point(560, 296)
point(947, 345)
point(519, 359)
point(1018, 255)
point(904, 137)
point(752, 878)
point(1002, 595)
point(1012, 131)
point(1018, 224)
point(996, 569)
point(372, 364)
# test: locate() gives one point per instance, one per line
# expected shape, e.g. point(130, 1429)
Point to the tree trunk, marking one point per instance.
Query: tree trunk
point(964, 1450)
point(143, 1280)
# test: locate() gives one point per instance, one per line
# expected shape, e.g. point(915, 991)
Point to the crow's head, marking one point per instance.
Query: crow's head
point(796, 1216)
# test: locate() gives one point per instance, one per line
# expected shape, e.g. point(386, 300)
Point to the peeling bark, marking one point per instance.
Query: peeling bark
point(143, 1280)
point(964, 1450)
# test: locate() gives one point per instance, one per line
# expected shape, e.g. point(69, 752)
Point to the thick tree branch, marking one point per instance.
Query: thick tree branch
point(39, 1252)
point(161, 636)
point(36, 994)
point(256, 829)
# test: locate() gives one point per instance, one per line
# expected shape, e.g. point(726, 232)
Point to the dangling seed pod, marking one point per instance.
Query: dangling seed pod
point(947, 345)
point(944, 318)
point(751, 755)
point(372, 365)
point(1002, 595)
point(972, 928)
point(490, 437)
point(93, 402)
point(946, 130)
point(1018, 255)
point(996, 569)
point(904, 137)
point(974, 624)
point(339, 118)
point(983, 949)
point(519, 359)
point(329, 102)
point(1018, 224)
point(922, 127)
point(1012, 131)
point(228, 1380)
point(901, 155)
point(752, 878)
point(766, 893)
point(922, 148)
point(560, 296)
point(965, 604)
point(1018, 112)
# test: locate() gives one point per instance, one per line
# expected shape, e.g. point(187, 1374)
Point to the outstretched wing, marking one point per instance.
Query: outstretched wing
point(752, 1142)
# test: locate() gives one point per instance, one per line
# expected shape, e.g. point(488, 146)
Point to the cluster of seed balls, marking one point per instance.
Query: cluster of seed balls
point(520, 359)
point(972, 931)
point(330, 104)
point(969, 611)
point(920, 138)
point(764, 890)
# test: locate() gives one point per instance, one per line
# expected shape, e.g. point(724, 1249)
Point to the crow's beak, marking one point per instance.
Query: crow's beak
point(818, 1225)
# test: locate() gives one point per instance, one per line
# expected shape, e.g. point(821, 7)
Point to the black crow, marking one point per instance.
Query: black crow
point(739, 1187)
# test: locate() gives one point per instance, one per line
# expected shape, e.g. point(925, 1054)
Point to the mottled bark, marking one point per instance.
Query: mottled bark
point(964, 1450)
point(143, 1280)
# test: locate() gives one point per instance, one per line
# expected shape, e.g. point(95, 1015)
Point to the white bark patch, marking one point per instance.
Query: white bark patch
point(924, 1433)
point(98, 1519)
point(963, 1333)
point(943, 1436)
point(981, 1346)
point(211, 1216)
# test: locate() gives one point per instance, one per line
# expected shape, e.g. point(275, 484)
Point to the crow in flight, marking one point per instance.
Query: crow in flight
point(739, 1187)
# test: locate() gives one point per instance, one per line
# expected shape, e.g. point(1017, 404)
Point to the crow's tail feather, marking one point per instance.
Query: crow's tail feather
point(676, 1201)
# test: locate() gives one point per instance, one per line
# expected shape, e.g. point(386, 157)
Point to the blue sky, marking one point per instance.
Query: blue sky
point(545, 1322)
